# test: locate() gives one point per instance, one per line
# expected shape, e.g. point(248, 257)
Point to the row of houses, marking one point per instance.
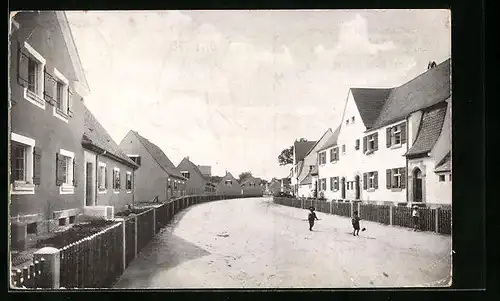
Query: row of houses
point(63, 162)
point(392, 145)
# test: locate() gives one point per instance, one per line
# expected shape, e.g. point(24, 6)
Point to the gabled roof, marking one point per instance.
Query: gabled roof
point(321, 140)
point(445, 164)
point(429, 131)
point(426, 90)
point(73, 52)
point(96, 135)
point(301, 148)
point(369, 102)
point(251, 179)
point(332, 141)
point(205, 169)
point(194, 167)
point(159, 156)
point(379, 107)
point(307, 180)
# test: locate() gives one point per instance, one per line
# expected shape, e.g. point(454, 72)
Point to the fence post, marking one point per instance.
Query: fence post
point(390, 215)
point(135, 238)
point(122, 220)
point(52, 267)
point(352, 209)
point(331, 206)
point(437, 220)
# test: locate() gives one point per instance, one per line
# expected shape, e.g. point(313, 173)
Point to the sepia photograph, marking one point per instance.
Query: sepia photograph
point(230, 149)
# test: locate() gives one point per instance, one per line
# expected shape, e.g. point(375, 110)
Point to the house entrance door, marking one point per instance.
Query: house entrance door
point(343, 188)
point(356, 187)
point(417, 185)
point(89, 184)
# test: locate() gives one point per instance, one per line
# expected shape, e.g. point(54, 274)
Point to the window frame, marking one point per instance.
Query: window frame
point(103, 189)
point(396, 132)
point(322, 158)
point(35, 98)
point(443, 177)
point(396, 174)
point(335, 151)
point(186, 172)
point(61, 113)
point(68, 187)
point(26, 186)
point(371, 180)
point(116, 188)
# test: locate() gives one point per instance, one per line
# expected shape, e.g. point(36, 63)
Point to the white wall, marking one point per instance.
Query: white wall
point(354, 162)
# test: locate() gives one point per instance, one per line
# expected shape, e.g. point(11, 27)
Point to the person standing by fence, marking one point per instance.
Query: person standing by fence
point(416, 218)
point(311, 218)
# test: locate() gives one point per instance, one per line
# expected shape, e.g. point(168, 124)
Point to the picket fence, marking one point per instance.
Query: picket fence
point(99, 260)
point(431, 219)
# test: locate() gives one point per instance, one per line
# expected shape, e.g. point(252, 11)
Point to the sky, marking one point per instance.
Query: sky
point(232, 89)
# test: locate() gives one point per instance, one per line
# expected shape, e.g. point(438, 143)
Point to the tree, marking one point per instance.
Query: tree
point(244, 175)
point(286, 156)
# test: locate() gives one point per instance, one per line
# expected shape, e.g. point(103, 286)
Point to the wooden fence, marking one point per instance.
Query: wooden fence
point(431, 219)
point(98, 260)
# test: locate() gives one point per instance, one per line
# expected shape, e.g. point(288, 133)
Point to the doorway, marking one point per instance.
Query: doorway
point(343, 188)
point(417, 185)
point(89, 184)
point(356, 187)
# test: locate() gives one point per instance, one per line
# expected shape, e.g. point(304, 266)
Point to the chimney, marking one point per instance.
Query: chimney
point(431, 65)
point(187, 157)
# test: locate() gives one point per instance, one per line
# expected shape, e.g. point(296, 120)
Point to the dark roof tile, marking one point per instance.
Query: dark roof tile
point(444, 164)
point(302, 148)
point(370, 102)
point(429, 131)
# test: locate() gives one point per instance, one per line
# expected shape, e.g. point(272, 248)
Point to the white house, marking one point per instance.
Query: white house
point(386, 132)
point(300, 149)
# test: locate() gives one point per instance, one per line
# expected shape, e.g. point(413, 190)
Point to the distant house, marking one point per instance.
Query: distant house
point(47, 85)
point(274, 187)
point(252, 186)
point(196, 183)
point(285, 185)
point(300, 149)
point(156, 175)
point(108, 173)
point(228, 185)
point(307, 177)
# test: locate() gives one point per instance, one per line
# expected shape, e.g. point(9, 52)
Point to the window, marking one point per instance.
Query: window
point(347, 122)
point(60, 95)
point(31, 228)
point(31, 67)
point(25, 164)
point(185, 174)
point(311, 167)
point(322, 158)
point(396, 135)
point(396, 178)
point(450, 177)
point(65, 172)
point(323, 185)
point(334, 154)
point(370, 180)
point(370, 143)
point(441, 178)
point(116, 180)
point(102, 177)
point(135, 158)
point(332, 183)
point(356, 147)
point(343, 148)
point(352, 119)
point(228, 182)
point(175, 184)
point(128, 181)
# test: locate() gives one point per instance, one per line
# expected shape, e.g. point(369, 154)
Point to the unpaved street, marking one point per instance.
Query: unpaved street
point(253, 243)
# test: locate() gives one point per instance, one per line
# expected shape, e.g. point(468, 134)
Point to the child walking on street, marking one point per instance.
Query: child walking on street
point(312, 217)
point(355, 223)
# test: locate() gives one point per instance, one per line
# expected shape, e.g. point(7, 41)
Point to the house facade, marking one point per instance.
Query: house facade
point(156, 175)
point(252, 186)
point(196, 182)
point(300, 149)
point(109, 174)
point(228, 185)
point(308, 177)
point(374, 157)
point(47, 85)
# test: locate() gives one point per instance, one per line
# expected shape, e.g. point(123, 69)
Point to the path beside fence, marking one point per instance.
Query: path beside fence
point(431, 219)
point(98, 260)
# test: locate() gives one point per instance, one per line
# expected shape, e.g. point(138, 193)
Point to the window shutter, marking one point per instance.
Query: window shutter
point(22, 67)
point(11, 165)
point(106, 177)
point(37, 164)
point(70, 102)
point(403, 132)
point(59, 169)
point(388, 179)
point(388, 136)
point(75, 181)
point(375, 140)
point(331, 183)
point(375, 179)
point(49, 88)
point(364, 143)
point(403, 177)
point(365, 182)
